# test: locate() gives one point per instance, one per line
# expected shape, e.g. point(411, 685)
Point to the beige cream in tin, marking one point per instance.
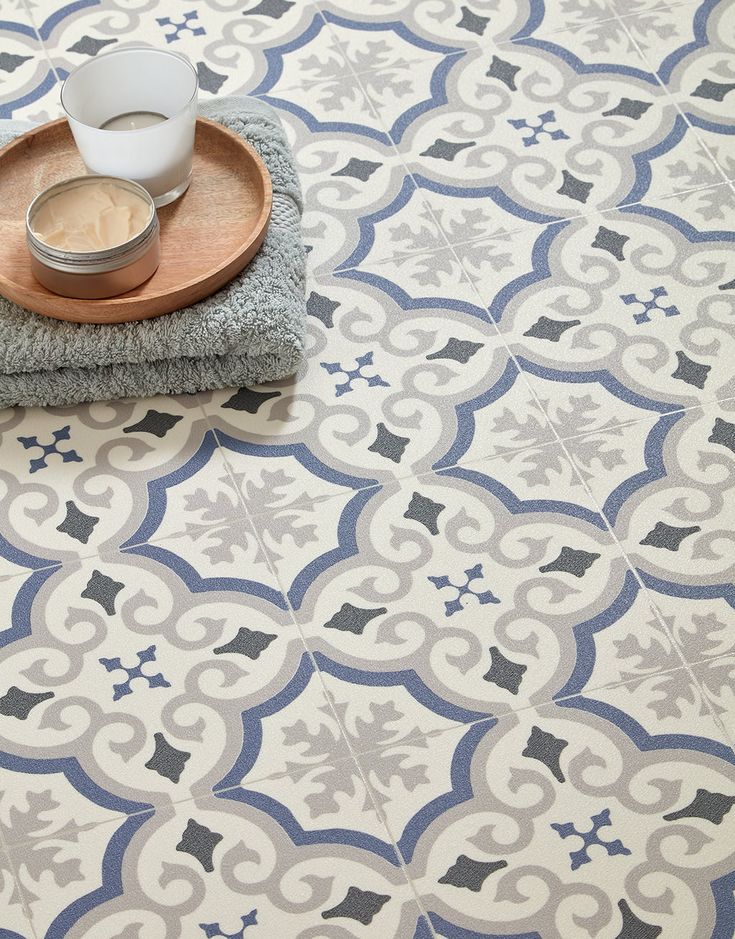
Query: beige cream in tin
point(93, 237)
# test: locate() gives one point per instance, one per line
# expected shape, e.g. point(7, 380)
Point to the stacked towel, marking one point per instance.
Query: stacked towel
point(250, 331)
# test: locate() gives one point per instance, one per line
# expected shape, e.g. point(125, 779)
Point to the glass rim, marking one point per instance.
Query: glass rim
point(133, 48)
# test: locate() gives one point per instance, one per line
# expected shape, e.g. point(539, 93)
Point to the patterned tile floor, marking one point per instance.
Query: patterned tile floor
point(436, 639)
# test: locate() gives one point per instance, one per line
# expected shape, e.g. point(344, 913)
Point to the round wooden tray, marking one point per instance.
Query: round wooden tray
point(207, 236)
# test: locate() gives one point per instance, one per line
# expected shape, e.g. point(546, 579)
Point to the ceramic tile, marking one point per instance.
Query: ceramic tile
point(223, 867)
point(566, 800)
point(454, 602)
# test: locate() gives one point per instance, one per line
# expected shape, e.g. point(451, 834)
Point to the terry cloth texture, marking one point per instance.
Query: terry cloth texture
point(251, 331)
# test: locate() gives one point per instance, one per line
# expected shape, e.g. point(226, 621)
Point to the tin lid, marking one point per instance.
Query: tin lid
point(91, 262)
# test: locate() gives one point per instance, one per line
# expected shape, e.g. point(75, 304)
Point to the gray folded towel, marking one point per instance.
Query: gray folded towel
point(250, 331)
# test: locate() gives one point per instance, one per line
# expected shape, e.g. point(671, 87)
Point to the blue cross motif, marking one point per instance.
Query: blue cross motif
point(215, 931)
point(67, 456)
point(334, 368)
point(649, 305)
point(183, 25)
point(154, 681)
point(463, 590)
point(580, 857)
point(548, 117)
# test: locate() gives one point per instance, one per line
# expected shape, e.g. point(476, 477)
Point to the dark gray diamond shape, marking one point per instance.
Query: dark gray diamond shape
point(628, 107)
point(209, 80)
point(471, 874)
point(273, 8)
point(19, 704)
point(424, 510)
point(361, 905)
point(9, 63)
point(322, 308)
point(571, 561)
point(473, 22)
point(245, 399)
point(716, 91)
point(574, 188)
point(445, 150)
point(77, 524)
point(547, 749)
point(200, 842)
point(723, 432)
point(633, 927)
point(158, 423)
point(503, 672)
point(693, 373)
point(546, 328)
point(353, 619)
point(103, 590)
point(612, 241)
point(504, 72)
point(88, 45)
point(358, 169)
point(728, 286)
point(247, 642)
point(388, 444)
point(668, 536)
point(458, 350)
point(712, 806)
point(167, 761)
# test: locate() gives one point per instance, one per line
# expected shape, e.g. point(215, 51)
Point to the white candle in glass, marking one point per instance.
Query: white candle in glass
point(124, 84)
point(133, 120)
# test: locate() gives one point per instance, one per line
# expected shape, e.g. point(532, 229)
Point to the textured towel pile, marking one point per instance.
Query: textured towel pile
point(249, 332)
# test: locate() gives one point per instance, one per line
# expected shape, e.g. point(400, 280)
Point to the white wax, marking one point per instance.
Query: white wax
point(134, 120)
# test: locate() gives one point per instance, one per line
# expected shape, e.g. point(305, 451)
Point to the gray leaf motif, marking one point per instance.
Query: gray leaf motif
point(167, 760)
point(247, 642)
point(209, 80)
point(458, 350)
point(89, 45)
point(472, 22)
point(712, 806)
point(353, 619)
point(245, 399)
point(693, 373)
point(200, 842)
point(547, 749)
point(633, 927)
point(103, 590)
point(723, 432)
point(471, 874)
point(157, 423)
point(553, 330)
point(77, 524)
point(668, 536)
point(361, 905)
point(322, 308)
point(358, 169)
point(9, 63)
point(504, 72)
point(611, 241)
point(715, 91)
point(503, 672)
point(574, 188)
point(628, 108)
point(19, 704)
point(445, 150)
point(571, 561)
point(271, 8)
point(388, 444)
point(424, 510)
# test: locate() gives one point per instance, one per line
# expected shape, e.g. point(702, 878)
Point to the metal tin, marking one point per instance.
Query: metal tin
point(94, 275)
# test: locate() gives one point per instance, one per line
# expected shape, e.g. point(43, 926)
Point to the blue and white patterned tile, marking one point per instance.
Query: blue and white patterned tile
point(668, 494)
point(82, 479)
point(469, 592)
point(513, 828)
point(137, 678)
point(28, 86)
point(692, 48)
point(235, 866)
point(235, 50)
point(537, 131)
point(391, 384)
point(635, 303)
point(456, 23)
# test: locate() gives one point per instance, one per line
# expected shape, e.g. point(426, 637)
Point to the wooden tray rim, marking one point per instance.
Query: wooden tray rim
point(114, 302)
